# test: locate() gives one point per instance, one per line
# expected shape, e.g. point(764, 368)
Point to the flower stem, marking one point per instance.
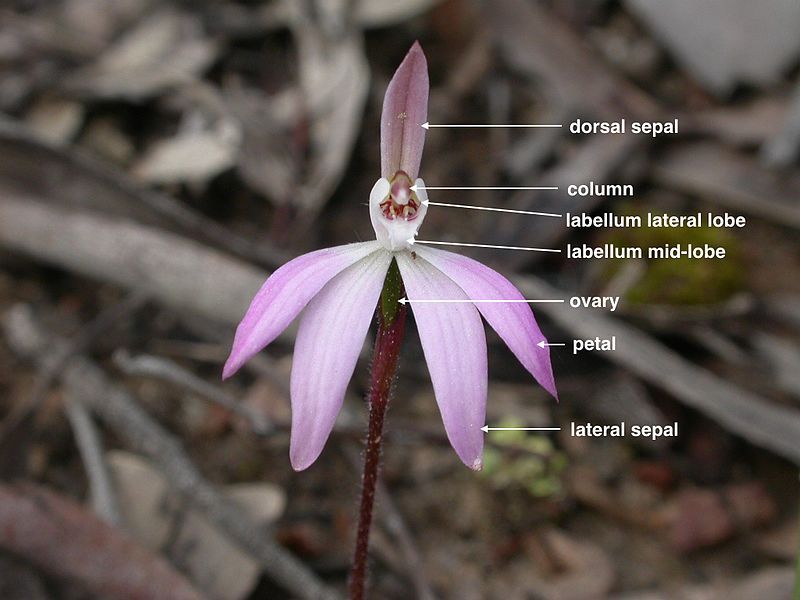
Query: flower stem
point(391, 330)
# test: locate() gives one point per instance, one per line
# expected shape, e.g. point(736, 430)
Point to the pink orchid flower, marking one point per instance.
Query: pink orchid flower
point(335, 292)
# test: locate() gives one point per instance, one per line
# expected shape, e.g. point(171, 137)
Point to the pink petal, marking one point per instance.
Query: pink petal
point(405, 109)
point(285, 294)
point(455, 349)
point(513, 322)
point(329, 340)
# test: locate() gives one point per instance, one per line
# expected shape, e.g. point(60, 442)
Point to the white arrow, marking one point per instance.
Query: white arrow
point(488, 187)
point(542, 344)
point(467, 300)
point(412, 241)
point(487, 429)
point(427, 125)
point(504, 210)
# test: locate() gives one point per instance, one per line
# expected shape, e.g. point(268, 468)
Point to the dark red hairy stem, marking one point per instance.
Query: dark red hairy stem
point(384, 368)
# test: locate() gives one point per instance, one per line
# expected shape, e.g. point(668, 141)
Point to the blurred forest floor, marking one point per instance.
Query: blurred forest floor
point(158, 158)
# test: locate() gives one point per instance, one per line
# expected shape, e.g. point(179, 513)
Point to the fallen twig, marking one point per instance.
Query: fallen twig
point(90, 446)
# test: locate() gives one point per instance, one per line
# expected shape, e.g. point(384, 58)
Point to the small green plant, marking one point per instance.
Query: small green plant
point(680, 281)
point(522, 460)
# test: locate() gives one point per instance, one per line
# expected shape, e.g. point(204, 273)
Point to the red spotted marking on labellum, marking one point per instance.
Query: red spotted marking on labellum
point(402, 201)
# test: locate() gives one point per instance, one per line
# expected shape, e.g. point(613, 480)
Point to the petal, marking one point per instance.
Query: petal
point(285, 294)
point(513, 322)
point(405, 109)
point(329, 340)
point(454, 344)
